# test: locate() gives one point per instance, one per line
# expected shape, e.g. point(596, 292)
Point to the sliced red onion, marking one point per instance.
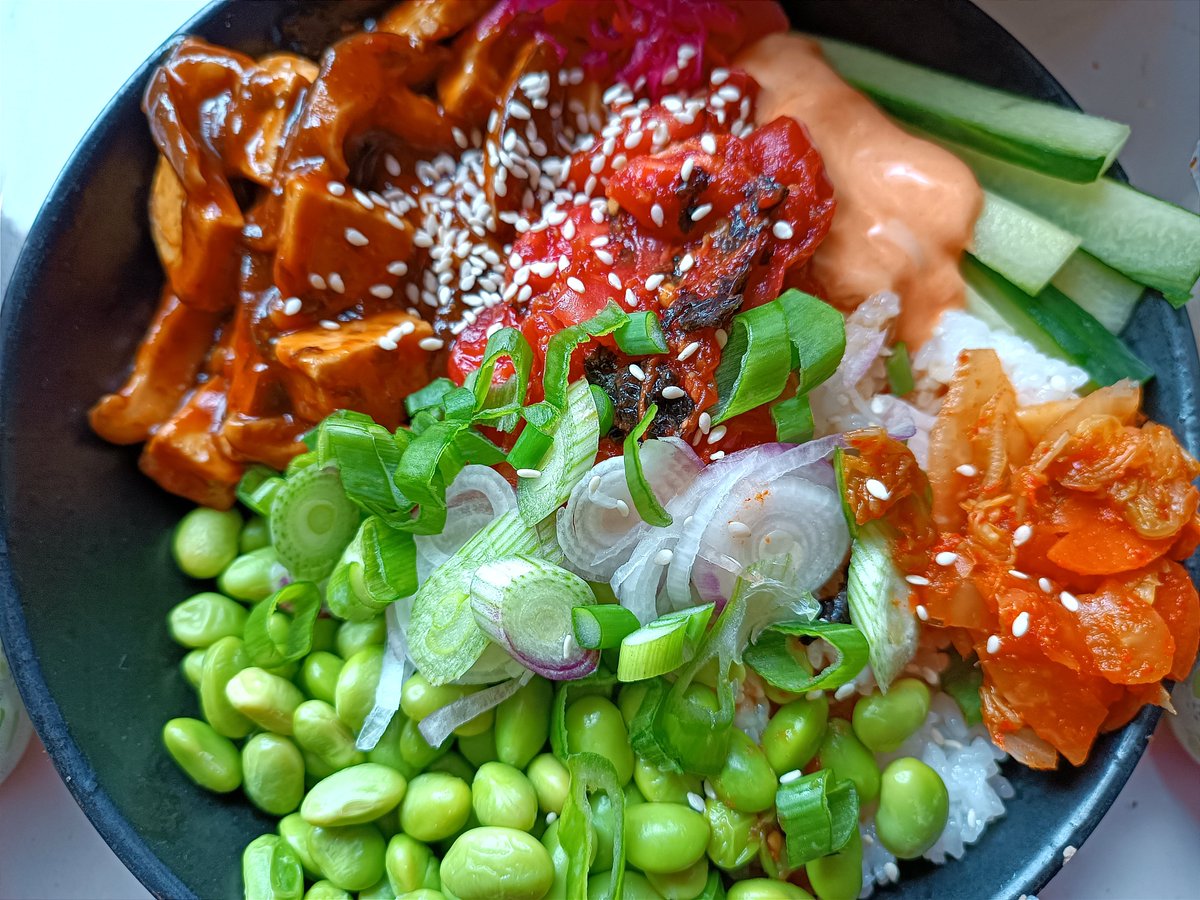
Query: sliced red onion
point(397, 668)
point(437, 727)
point(477, 496)
point(638, 581)
point(599, 526)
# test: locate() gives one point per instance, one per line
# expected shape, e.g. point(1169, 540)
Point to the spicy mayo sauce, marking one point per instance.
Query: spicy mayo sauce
point(906, 209)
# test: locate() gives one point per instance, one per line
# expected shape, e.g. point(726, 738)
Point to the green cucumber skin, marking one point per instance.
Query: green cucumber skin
point(1060, 142)
point(1057, 326)
point(1020, 245)
point(1101, 290)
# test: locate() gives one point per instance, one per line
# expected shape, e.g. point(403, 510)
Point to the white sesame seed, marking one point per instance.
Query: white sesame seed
point(575, 284)
point(1022, 534)
point(722, 337)
point(382, 291)
point(878, 489)
point(892, 871)
point(673, 392)
point(656, 215)
point(719, 76)
point(597, 213)
point(918, 580)
point(946, 558)
point(330, 325)
point(614, 280)
point(739, 529)
point(687, 352)
point(720, 454)
point(423, 239)
point(631, 299)
point(708, 144)
point(696, 802)
point(637, 372)
point(336, 284)
point(663, 557)
point(551, 817)
point(363, 200)
point(317, 282)
point(529, 473)
point(1069, 601)
point(782, 230)
point(993, 644)
point(922, 613)
point(336, 188)
point(686, 263)
point(704, 423)
point(789, 777)
point(1068, 852)
point(1018, 574)
point(1020, 625)
point(844, 691)
point(291, 306)
point(653, 282)
point(623, 508)
point(431, 343)
point(966, 470)
point(717, 434)
point(730, 94)
point(392, 164)
point(1046, 586)
point(405, 328)
point(685, 171)
point(386, 343)
point(701, 211)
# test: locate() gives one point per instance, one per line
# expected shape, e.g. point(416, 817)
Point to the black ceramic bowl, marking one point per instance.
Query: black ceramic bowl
point(85, 576)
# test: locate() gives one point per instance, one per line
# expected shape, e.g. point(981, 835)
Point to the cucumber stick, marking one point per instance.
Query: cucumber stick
point(1154, 242)
point(1102, 291)
point(1055, 325)
point(1061, 142)
point(1020, 245)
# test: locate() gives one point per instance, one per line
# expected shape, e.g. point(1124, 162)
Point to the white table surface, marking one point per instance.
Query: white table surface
point(1137, 61)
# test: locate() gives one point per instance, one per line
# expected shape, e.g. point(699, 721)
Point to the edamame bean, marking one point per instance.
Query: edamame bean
point(411, 865)
point(453, 764)
point(839, 875)
point(315, 768)
point(604, 829)
point(295, 833)
point(319, 675)
point(272, 773)
point(265, 699)
point(503, 796)
point(222, 661)
point(479, 748)
point(733, 839)
point(426, 894)
point(206, 541)
point(844, 753)
point(558, 859)
point(278, 625)
point(629, 699)
point(746, 782)
point(418, 698)
point(551, 781)
point(664, 837)
point(206, 757)
point(766, 889)
point(686, 884)
point(380, 890)
point(350, 856)
point(354, 637)
point(415, 750)
point(660, 786)
point(435, 807)
point(523, 723)
point(203, 619)
point(794, 733)
point(595, 725)
point(325, 632)
point(634, 886)
point(885, 721)
point(354, 796)
point(913, 807)
point(252, 576)
point(270, 870)
point(354, 696)
point(317, 728)
point(324, 890)
point(192, 666)
point(388, 824)
point(255, 535)
point(490, 862)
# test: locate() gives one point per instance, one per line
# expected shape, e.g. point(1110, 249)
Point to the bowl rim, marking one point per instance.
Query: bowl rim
point(51, 726)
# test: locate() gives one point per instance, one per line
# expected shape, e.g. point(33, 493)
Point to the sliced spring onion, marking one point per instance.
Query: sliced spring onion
point(817, 815)
point(962, 680)
point(663, 645)
point(258, 488)
point(477, 495)
point(300, 463)
point(304, 601)
point(641, 335)
point(754, 363)
point(793, 420)
point(604, 408)
point(899, 370)
point(643, 736)
point(475, 449)
point(602, 626)
point(510, 343)
point(599, 683)
point(878, 599)
point(772, 658)
point(563, 344)
point(311, 522)
point(524, 605)
point(530, 448)
point(640, 489)
point(817, 332)
point(378, 567)
point(437, 727)
point(366, 455)
point(571, 456)
point(591, 773)
point(428, 397)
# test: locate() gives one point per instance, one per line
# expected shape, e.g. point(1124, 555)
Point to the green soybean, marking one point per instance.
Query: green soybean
point(766, 889)
point(595, 725)
point(839, 875)
point(192, 666)
point(844, 753)
point(278, 625)
point(453, 764)
point(794, 733)
point(270, 870)
point(885, 721)
point(315, 768)
point(354, 637)
point(686, 884)
point(734, 838)
point(295, 833)
point(501, 795)
point(206, 541)
point(479, 748)
point(426, 894)
point(558, 859)
point(206, 757)
point(662, 786)
point(325, 890)
point(350, 856)
point(634, 886)
point(746, 782)
point(387, 751)
point(604, 828)
point(913, 807)
point(265, 699)
point(664, 837)
point(380, 890)
point(489, 862)
point(411, 865)
point(354, 696)
point(272, 773)
point(551, 781)
point(253, 576)
point(317, 728)
point(203, 619)
point(523, 723)
point(418, 698)
point(700, 702)
point(436, 806)
point(415, 750)
point(222, 661)
point(325, 632)
point(388, 824)
point(255, 535)
point(354, 796)
point(319, 675)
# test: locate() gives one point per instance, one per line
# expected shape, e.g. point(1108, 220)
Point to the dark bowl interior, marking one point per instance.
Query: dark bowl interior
point(85, 576)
